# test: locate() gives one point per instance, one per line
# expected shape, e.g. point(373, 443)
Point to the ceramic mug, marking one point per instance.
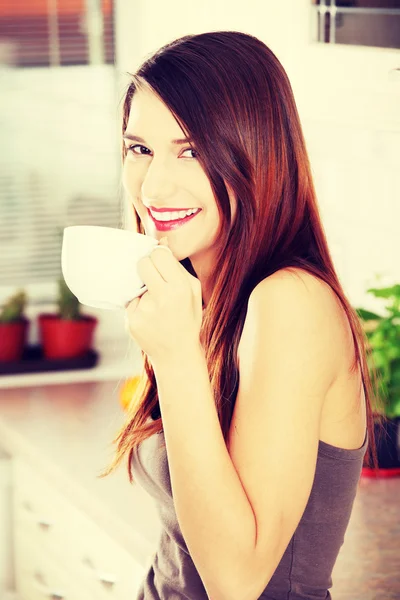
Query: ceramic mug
point(99, 264)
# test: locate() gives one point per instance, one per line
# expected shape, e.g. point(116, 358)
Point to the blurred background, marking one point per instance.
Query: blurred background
point(64, 65)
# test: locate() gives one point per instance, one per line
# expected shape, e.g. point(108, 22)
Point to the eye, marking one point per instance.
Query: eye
point(196, 154)
point(130, 148)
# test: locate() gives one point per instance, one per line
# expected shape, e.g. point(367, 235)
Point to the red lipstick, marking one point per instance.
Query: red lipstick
point(169, 209)
point(169, 225)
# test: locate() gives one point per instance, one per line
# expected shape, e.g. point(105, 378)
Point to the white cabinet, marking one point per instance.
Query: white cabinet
point(59, 552)
point(6, 575)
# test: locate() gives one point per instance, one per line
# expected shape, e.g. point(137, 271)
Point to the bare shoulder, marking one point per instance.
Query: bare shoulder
point(323, 294)
point(297, 280)
point(307, 301)
point(316, 316)
point(295, 274)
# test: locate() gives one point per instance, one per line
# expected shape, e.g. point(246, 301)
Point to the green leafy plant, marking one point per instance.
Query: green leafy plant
point(68, 304)
point(14, 308)
point(383, 335)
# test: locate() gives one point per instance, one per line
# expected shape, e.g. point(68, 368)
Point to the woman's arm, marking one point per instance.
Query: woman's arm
point(214, 514)
point(238, 506)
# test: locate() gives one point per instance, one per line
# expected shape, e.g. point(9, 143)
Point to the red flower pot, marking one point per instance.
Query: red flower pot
point(13, 339)
point(63, 338)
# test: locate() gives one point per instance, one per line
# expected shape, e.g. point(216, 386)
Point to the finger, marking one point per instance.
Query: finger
point(150, 273)
point(170, 268)
point(165, 247)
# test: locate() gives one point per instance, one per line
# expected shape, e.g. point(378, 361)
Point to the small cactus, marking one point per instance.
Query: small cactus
point(68, 304)
point(14, 307)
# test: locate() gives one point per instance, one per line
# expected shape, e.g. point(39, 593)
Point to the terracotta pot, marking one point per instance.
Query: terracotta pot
point(62, 338)
point(13, 339)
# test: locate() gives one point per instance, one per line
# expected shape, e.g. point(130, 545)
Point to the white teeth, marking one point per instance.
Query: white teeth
point(173, 216)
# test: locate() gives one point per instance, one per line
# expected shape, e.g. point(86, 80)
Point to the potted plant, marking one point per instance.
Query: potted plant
point(383, 333)
point(67, 334)
point(14, 328)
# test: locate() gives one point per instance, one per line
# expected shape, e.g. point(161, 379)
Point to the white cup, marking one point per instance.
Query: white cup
point(99, 264)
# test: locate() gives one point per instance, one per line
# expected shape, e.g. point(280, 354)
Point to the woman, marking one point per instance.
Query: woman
point(264, 400)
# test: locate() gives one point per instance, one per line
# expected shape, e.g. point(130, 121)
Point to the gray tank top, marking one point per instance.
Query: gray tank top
point(304, 572)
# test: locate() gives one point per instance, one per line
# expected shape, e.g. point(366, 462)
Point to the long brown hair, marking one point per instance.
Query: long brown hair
point(232, 97)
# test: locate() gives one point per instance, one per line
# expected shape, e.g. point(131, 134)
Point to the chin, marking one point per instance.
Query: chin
point(179, 256)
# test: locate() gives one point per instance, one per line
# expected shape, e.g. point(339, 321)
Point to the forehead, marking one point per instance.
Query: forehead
point(150, 116)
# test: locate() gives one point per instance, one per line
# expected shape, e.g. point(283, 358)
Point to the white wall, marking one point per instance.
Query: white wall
point(348, 105)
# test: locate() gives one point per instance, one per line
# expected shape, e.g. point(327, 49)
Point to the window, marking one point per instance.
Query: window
point(60, 150)
point(358, 22)
point(43, 33)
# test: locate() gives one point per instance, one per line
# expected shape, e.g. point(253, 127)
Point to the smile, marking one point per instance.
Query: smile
point(174, 224)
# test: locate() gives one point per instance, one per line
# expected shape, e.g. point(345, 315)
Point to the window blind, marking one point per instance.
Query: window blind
point(59, 126)
point(359, 22)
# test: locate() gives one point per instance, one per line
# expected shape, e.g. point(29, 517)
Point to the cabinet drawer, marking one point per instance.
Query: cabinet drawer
point(42, 511)
point(38, 577)
point(60, 529)
point(113, 572)
point(43, 524)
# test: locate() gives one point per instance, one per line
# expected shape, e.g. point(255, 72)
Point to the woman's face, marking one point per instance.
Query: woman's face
point(161, 173)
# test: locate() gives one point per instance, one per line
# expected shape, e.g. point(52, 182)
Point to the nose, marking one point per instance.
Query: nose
point(157, 183)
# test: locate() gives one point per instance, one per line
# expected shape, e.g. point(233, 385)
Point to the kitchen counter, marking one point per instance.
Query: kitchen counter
point(65, 432)
point(116, 357)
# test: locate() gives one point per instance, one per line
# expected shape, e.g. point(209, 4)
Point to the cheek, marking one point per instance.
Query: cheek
point(125, 176)
point(212, 223)
point(129, 180)
point(130, 186)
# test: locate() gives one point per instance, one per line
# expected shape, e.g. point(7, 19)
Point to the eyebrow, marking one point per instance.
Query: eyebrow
point(136, 138)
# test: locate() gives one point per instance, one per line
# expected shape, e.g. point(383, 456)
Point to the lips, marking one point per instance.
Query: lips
point(168, 225)
point(170, 209)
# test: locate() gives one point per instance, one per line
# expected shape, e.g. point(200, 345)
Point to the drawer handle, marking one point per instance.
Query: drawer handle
point(40, 578)
point(106, 579)
point(42, 586)
point(45, 523)
point(87, 561)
